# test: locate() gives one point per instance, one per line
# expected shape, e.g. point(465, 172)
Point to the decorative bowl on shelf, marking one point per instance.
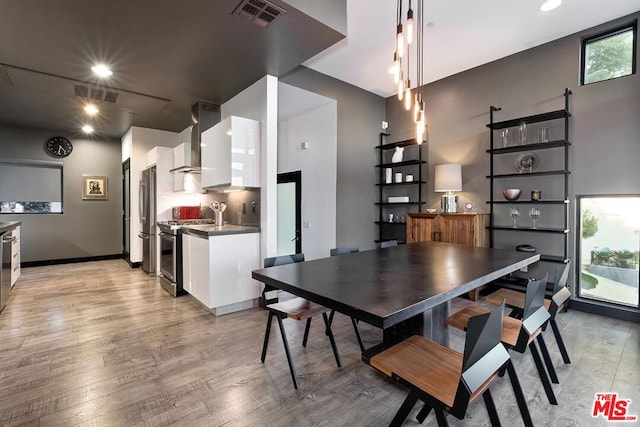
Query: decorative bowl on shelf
point(432, 211)
point(511, 193)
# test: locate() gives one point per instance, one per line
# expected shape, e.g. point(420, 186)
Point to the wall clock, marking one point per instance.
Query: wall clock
point(58, 146)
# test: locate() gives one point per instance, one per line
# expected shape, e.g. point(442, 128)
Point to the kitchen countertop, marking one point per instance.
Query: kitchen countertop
point(8, 226)
point(208, 230)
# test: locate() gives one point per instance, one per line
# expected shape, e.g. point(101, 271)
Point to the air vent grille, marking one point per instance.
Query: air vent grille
point(96, 94)
point(259, 12)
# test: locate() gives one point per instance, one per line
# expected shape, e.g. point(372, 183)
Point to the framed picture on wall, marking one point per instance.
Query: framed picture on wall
point(94, 187)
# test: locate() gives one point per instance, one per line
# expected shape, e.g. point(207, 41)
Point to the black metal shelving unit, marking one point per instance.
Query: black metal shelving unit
point(561, 144)
point(397, 230)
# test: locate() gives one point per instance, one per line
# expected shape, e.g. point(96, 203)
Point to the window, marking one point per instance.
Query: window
point(608, 248)
point(609, 55)
point(30, 187)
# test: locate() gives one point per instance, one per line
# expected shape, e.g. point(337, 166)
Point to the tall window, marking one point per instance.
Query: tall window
point(609, 55)
point(609, 247)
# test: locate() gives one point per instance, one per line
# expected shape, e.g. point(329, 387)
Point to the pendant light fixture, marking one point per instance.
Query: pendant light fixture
point(413, 102)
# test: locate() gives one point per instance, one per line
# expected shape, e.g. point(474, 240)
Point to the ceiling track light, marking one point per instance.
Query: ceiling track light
point(549, 5)
point(91, 109)
point(87, 129)
point(101, 70)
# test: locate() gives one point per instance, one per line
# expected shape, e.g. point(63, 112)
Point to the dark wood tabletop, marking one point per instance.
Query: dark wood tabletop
point(384, 287)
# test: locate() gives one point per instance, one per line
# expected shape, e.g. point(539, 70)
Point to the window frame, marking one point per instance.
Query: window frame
point(633, 26)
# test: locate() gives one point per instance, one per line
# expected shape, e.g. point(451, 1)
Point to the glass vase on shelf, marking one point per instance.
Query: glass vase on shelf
point(504, 138)
point(523, 133)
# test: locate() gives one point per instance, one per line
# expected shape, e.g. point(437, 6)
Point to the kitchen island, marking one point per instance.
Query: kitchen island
point(217, 265)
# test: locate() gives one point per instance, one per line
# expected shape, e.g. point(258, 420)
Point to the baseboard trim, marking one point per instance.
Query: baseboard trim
point(609, 310)
point(69, 260)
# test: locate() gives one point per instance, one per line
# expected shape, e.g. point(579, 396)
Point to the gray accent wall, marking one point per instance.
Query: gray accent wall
point(86, 228)
point(604, 130)
point(360, 114)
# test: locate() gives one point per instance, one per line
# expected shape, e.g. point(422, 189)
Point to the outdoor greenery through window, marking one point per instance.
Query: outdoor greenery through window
point(610, 55)
point(609, 248)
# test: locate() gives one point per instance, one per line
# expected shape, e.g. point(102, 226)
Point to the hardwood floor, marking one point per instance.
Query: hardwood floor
point(101, 344)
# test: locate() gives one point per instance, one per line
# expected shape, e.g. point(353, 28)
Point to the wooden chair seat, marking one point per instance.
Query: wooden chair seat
point(513, 299)
point(433, 368)
point(510, 326)
point(298, 308)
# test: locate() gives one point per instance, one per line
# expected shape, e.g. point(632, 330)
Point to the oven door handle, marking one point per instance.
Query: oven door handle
point(167, 235)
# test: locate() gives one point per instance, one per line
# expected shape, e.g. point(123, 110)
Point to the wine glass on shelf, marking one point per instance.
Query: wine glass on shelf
point(514, 213)
point(534, 213)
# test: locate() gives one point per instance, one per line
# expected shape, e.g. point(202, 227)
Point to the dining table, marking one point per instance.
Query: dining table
point(403, 290)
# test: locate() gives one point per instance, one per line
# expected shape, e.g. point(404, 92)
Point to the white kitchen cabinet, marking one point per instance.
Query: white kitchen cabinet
point(230, 154)
point(220, 271)
point(15, 256)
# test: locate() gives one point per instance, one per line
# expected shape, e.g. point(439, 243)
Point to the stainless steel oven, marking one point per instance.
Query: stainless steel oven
point(168, 253)
point(171, 254)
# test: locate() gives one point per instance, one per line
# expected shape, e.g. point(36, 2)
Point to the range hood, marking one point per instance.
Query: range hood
point(204, 116)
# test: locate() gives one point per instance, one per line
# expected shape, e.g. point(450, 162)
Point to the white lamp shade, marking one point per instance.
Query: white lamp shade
point(448, 178)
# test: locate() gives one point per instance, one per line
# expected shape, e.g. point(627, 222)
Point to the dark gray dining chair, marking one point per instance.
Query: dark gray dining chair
point(272, 262)
point(341, 250)
point(295, 309)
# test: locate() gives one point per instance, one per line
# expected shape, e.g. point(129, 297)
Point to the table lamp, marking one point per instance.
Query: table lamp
point(448, 178)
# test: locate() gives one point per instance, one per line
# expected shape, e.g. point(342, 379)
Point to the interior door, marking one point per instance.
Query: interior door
point(126, 211)
point(289, 213)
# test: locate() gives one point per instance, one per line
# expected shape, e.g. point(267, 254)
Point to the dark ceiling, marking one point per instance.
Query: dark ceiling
point(165, 54)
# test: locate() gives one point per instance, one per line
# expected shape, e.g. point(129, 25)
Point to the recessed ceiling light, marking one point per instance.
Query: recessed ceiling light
point(550, 5)
point(91, 109)
point(101, 70)
point(87, 129)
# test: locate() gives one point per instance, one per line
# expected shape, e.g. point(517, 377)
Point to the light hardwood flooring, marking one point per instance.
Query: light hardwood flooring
point(101, 344)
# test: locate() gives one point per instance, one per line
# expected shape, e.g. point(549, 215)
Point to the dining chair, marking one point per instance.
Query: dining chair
point(341, 251)
point(518, 334)
point(446, 380)
point(388, 243)
point(272, 262)
point(297, 309)
point(561, 294)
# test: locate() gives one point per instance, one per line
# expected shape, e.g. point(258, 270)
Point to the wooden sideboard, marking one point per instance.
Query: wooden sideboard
point(459, 228)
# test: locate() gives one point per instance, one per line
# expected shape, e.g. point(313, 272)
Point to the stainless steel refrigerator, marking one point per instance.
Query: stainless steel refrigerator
point(147, 208)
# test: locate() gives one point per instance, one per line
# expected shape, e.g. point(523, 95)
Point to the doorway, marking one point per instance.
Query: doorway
point(126, 210)
point(609, 249)
point(289, 213)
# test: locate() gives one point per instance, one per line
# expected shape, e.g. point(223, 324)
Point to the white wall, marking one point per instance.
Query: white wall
point(260, 102)
point(318, 163)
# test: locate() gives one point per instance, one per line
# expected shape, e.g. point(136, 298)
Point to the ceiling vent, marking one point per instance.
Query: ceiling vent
point(260, 12)
point(96, 94)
